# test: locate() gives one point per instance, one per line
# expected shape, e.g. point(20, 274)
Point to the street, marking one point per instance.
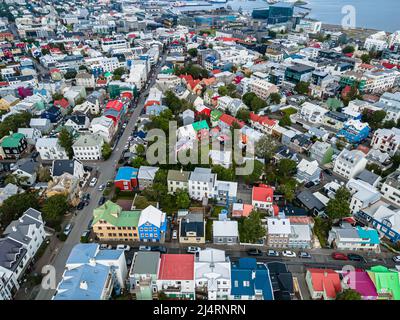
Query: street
point(106, 171)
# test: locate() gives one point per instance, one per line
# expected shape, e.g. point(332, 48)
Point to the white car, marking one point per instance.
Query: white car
point(174, 235)
point(289, 254)
point(123, 247)
point(93, 182)
point(144, 248)
point(193, 249)
point(396, 259)
point(101, 187)
point(105, 246)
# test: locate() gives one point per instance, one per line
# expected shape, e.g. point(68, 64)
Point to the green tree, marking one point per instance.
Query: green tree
point(173, 102)
point(57, 96)
point(70, 75)
point(14, 206)
point(257, 104)
point(286, 168)
point(54, 209)
point(288, 188)
point(161, 121)
point(13, 122)
point(374, 119)
point(182, 199)
point(339, 207)
point(302, 87)
point(348, 49)
point(248, 98)
point(275, 98)
point(250, 229)
point(365, 58)
point(193, 52)
point(243, 114)
point(285, 121)
point(106, 151)
point(44, 174)
point(66, 141)
point(224, 173)
point(138, 161)
point(140, 150)
point(256, 173)
point(161, 176)
point(266, 147)
point(348, 294)
point(223, 91)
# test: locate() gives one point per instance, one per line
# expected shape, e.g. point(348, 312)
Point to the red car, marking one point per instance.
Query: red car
point(339, 256)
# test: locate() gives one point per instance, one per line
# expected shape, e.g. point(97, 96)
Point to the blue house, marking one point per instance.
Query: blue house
point(250, 281)
point(354, 131)
point(53, 114)
point(155, 109)
point(152, 225)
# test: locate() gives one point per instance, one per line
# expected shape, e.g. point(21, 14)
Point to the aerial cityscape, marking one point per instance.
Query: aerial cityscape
point(201, 150)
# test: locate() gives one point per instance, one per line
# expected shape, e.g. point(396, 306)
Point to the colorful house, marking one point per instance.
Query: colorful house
point(361, 282)
point(262, 197)
point(111, 223)
point(226, 121)
point(53, 114)
point(115, 111)
point(13, 146)
point(152, 225)
point(176, 276)
point(126, 178)
point(323, 284)
point(250, 281)
point(386, 281)
point(354, 131)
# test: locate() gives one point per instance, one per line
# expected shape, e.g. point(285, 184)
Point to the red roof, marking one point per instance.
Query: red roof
point(4, 84)
point(389, 65)
point(326, 280)
point(264, 120)
point(263, 193)
point(229, 39)
point(276, 210)
point(176, 267)
point(63, 103)
point(54, 70)
point(216, 71)
point(126, 94)
point(114, 104)
point(102, 81)
point(363, 149)
point(229, 120)
point(348, 55)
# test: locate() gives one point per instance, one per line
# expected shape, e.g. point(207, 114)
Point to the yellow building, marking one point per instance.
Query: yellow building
point(111, 223)
point(7, 102)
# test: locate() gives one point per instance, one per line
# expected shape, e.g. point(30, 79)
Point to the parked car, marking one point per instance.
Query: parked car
point(89, 226)
point(174, 235)
point(93, 182)
point(305, 255)
point(396, 259)
point(193, 249)
point(272, 253)
point(339, 256)
point(254, 252)
point(101, 187)
point(309, 184)
point(85, 236)
point(105, 246)
point(328, 172)
point(144, 248)
point(356, 257)
point(86, 197)
point(81, 205)
point(160, 249)
point(68, 228)
point(289, 254)
point(102, 200)
point(123, 247)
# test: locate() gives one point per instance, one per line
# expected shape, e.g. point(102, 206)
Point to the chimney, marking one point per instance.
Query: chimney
point(325, 274)
point(181, 169)
point(92, 262)
point(14, 228)
point(83, 285)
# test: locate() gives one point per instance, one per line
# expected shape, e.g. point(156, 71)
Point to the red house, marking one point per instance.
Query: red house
point(126, 178)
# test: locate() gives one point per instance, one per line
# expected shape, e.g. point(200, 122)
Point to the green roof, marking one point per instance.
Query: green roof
point(215, 115)
point(113, 214)
point(385, 280)
point(199, 125)
point(108, 74)
point(12, 141)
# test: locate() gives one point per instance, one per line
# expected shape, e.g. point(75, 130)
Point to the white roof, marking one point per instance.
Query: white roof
point(38, 122)
point(147, 173)
point(384, 213)
point(278, 226)
point(47, 142)
point(152, 215)
point(309, 167)
point(225, 228)
point(300, 232)
point(321, 197)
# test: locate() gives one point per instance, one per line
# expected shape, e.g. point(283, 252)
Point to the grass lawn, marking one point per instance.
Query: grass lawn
point(216, 211)
point(289, 111)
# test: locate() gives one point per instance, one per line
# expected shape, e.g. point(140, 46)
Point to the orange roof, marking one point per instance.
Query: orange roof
point(326, 280)
point(209, 81)
point(229, 120)
point(176, 267)
point(363, 149)
point(63, 103)
point(264, 120)
point(263, 193)
point(300, 219)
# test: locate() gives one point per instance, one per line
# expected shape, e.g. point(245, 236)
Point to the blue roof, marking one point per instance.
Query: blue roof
point(109, 254)
point(370, 234)
point(247, 276)
point(95, 278)
point(82, 253)
point(126, 173)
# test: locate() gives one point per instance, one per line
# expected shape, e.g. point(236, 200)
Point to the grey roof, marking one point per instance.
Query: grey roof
point(203, 175)
point(11, 253)
point(62, 166)
point(79, 119)
point(309, 200)
point(368, 177)
point(146, 263)
point(176, 175)
point(28, 165)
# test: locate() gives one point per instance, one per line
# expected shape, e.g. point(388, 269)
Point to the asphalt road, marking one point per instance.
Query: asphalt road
point(107, 172)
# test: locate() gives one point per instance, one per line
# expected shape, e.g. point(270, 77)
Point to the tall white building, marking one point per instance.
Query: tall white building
point(349, 163)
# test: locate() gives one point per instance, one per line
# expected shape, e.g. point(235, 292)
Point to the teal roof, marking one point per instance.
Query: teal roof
point(12, 141)
point(370, 234)
point(197, 126)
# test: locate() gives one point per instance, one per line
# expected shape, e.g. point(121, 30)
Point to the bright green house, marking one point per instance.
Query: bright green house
point(386, 281)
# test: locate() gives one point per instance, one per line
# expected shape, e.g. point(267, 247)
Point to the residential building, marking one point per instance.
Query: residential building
point(225, 192)
point(312, 113)
point(146, 176)
point(104, 127)
point(349, 163)
point(323, 284)
point(88, 147)
point(250, 280)
point(225, 232)
point(192, 228)
point(201, 183)
point(152, 225)
point(308, 171)
point(322, 152)
point(391, 186)
point(50, 149)
point(278, 231)
point(386, 281)
point(73, 167)
point(354, 131)
point(363, 195)
point(26, 171)
point(310, 202)
point(360, 281)
point(263, 88)
point(78, 122)
point(43, 125)
point(386, 140)
point(8, 191)
point(298, 72)
point(178, 179)
point(262, 197)
point(126, 178)
point(31, 134)
point(143, 275)
point(13, 146)
point(212, 272)
point(92, 274)
point(112, 223)
point(176, 276)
